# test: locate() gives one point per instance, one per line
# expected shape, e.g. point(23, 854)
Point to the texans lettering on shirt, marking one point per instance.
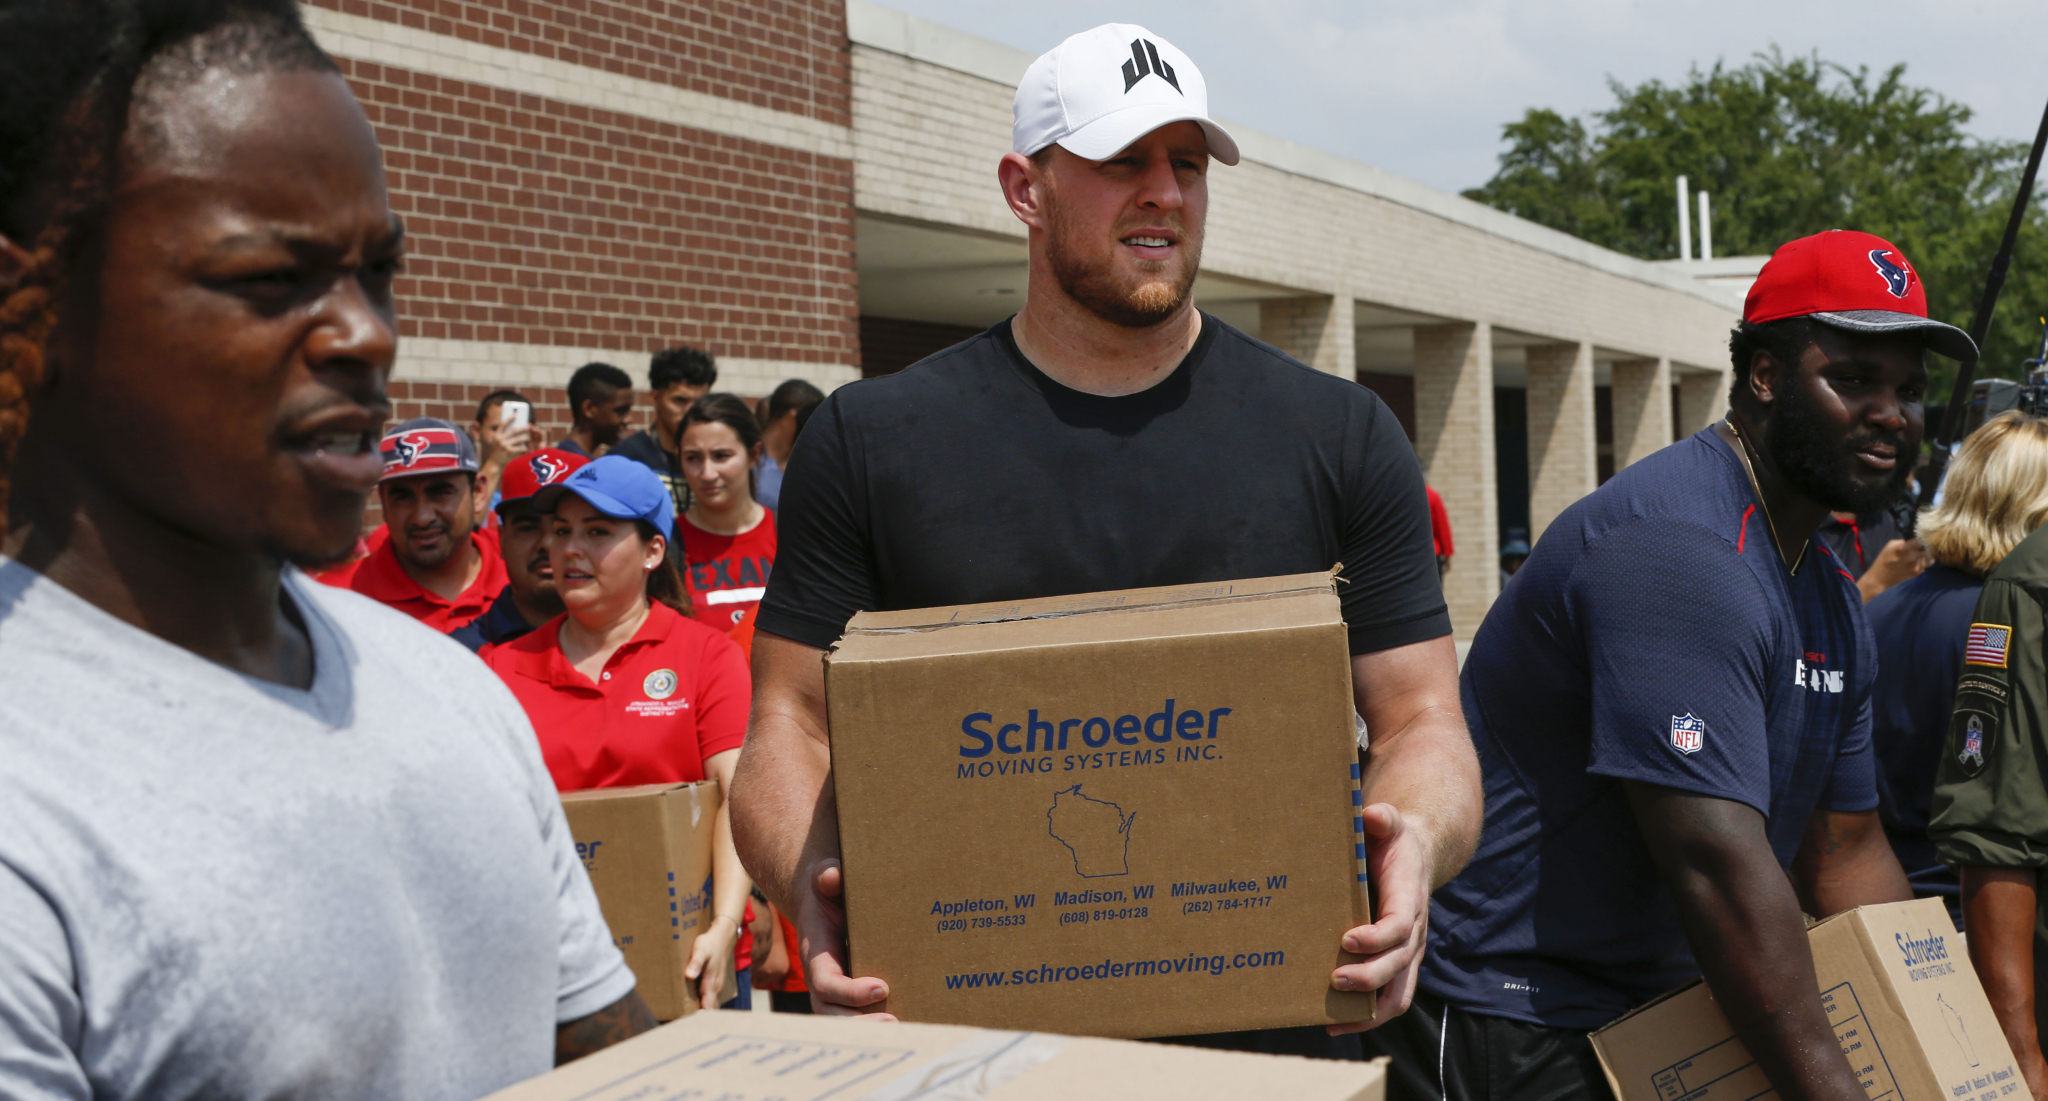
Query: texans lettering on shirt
point(725, 588)
point(1808, 674)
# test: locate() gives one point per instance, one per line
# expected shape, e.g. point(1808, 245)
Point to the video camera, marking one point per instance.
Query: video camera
point(1991, 396)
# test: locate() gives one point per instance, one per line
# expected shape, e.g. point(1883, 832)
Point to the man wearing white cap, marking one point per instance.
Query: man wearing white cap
point(1111, 436)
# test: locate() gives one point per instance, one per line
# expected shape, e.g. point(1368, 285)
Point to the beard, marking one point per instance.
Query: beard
point(1093, 280)
point(1822, 468)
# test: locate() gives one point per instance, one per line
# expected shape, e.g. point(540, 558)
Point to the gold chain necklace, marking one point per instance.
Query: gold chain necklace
point(1742, 452)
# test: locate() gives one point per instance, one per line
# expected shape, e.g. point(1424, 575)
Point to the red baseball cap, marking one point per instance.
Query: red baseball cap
point(525, 475)
point(1854, 281)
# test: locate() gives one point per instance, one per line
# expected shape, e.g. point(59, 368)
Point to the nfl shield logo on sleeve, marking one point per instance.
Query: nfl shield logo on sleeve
point(1688, 733)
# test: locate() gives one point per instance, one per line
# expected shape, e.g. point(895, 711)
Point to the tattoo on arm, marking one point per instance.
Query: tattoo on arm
point(620, 1021)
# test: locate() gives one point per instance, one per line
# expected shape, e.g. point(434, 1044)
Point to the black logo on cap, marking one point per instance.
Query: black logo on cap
point(1144, 62)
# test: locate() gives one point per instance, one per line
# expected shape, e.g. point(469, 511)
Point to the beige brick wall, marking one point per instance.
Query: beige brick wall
point(1702, 398)
point(1317, 331)
point(927, 139)
point(1454, 440)
point(1642, 409)
point(1561, 436)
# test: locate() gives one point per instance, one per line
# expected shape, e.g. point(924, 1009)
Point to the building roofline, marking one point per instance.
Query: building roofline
point(872, 25)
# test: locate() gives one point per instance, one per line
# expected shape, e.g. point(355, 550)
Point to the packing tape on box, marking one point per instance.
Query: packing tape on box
point(1219, 594)
point(974, 1069)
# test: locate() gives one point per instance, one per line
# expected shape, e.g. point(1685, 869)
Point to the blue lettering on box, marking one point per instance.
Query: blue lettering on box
point(1041, 733)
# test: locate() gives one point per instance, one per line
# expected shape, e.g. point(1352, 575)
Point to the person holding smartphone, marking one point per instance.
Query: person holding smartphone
point(503, 432)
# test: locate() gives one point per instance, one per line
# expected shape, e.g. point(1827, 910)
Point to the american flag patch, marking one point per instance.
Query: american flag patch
point(1987, 645)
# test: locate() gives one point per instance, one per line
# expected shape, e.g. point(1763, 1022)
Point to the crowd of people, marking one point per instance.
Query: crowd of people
point(273, 826)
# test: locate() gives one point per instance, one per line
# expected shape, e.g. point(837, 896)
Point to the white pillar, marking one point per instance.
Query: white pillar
point(1454, 440)
point(1642, 409)
point(1317, 331)
point(1563, 460)
point(1702, 398)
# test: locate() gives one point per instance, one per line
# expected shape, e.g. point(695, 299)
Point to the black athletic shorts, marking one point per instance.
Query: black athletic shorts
point(1445, 1054)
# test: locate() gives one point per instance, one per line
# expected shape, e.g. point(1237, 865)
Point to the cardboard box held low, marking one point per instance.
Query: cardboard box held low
point(648, 852)
point(789, 1057)
point(1898, 988)
point(1116, 814)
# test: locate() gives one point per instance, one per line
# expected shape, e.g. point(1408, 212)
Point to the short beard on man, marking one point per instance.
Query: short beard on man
point(1139, 304)
point(1820, 467)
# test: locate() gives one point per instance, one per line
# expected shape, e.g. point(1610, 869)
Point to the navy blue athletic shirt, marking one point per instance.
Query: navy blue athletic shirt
point(1920, 626)
point(1655, 635)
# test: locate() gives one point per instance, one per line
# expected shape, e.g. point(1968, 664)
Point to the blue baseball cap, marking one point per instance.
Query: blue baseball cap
point(619, 487)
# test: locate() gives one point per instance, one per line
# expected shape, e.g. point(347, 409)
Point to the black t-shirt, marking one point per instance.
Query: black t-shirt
point(971, 476)
point(643, 448)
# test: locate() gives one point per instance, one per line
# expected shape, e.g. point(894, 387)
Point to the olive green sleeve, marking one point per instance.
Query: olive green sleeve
point(1991, 783)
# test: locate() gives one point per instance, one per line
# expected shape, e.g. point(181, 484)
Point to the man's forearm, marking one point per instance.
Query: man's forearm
point(783, 816)
point(1742, 919)
point(616, 1023)
point(1429, 773)
point(1421, 761)
point(1999, 910)
point(1846, 861)
point(781, 798)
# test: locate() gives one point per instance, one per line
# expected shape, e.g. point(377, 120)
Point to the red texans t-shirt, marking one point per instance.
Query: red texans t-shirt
point(726, 574)
point(674, 695)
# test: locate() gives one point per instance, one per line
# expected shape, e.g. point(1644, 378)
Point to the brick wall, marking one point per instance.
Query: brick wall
point(537, 222)
point(784, 55)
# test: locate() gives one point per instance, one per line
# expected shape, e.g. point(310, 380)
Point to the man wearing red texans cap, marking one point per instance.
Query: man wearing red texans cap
point(1671, 706)
point(529, 598)
point(435, 567)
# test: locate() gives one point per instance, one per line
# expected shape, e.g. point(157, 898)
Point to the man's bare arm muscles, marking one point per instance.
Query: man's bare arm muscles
point(616, 1023)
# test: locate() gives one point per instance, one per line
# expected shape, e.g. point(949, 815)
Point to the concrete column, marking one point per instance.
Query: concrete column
point(1563, 466)
point(1702, 398)
point(1454, 440)
point(1317, 331)
point(1642, 409)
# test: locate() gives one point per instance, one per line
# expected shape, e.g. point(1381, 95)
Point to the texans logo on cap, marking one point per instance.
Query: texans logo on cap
point(549, 470)
point(423, 445)
point(1898, 278)
point(411, 447)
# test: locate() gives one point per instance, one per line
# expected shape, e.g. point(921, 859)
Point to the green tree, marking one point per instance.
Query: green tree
point(1790, 146)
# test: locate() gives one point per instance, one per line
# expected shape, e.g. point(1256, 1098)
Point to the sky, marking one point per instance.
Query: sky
point(1422, 87)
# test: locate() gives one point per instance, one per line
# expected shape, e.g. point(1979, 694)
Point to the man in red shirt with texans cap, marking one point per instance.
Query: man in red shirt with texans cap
point(529, 598)
point(436, 567)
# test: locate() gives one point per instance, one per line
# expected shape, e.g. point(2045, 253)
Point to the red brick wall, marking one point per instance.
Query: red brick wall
point(785, 55)
point(539, 222)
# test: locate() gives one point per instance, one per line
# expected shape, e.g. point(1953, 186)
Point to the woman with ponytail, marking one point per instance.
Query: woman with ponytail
point(258, 837)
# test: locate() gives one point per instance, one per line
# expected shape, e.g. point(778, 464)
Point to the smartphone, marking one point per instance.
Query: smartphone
point(514, 415)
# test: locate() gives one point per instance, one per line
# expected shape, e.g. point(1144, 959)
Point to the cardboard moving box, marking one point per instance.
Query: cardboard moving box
point(648, 852)
point(1116, 814)
point(1899, 989)
point(790, 1057)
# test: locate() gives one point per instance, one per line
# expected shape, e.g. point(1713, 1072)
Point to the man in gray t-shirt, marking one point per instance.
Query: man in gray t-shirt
point(214, 886)
point(259, 838)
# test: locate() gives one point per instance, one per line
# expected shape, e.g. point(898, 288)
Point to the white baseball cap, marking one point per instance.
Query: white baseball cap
point(1103, 89)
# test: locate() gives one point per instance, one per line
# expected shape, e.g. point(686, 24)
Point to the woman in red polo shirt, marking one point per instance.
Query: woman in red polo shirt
point(625, 688)
point(728, 537)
